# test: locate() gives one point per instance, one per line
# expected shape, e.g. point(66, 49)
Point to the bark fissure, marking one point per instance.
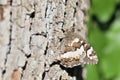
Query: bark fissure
point(24, 67)
point(66, 2)
point(46, 49)
point(10, 38)
point(30, 42)
point(9, 45)
point(3, 72)
point(46, 8)
point(44, 74)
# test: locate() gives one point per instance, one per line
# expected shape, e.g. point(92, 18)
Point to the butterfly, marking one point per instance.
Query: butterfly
point(77, 52)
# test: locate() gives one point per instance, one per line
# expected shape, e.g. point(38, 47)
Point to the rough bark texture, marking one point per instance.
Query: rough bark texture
point(30, 34)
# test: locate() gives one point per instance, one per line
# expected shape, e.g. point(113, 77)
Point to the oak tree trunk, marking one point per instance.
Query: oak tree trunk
point(30, 32)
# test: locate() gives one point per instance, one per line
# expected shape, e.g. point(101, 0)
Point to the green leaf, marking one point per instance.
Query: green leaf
point(103, 8)
point(92, 73)
point(110, 63)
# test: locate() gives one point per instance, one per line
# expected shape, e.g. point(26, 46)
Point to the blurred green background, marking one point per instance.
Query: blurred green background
point(104, 36)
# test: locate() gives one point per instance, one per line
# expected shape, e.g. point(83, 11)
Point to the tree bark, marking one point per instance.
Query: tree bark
point(30, 36)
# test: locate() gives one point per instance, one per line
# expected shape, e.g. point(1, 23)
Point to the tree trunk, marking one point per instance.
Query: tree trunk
point(30, 35)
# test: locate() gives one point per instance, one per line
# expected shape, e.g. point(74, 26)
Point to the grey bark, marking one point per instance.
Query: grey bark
point(30, 33)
